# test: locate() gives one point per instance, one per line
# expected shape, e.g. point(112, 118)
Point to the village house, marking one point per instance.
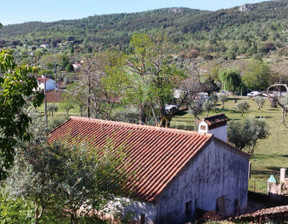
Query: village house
point(178, 171)
point(50, 83)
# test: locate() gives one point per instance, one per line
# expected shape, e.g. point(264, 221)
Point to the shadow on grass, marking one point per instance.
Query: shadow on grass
point(182, 112)
point(235, 111)
point(273, 168)
point(235, 99)
point(265, 172)
point(220, 110)
point(274, 109)
point(263, 117)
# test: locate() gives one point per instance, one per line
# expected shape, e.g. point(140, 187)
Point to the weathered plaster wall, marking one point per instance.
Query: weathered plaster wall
point(135, 208)
point(218, 170)
point(131, 210)
point(220, 132)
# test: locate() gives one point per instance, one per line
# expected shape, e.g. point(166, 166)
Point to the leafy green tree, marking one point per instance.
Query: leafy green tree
point(155, 76)
point(102, 81)
point(15, 210)
point(60, 179)
point(223, 98)
point(242, 106)
point(246, 133)
point(16, 91)
point(257, 75)
point(260, 101)
point(74, 96)
point(230, 79)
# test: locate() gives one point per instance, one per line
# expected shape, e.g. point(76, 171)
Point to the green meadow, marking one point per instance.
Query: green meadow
point(270, 154)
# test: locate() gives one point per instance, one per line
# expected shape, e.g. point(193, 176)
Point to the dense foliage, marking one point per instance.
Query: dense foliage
point(228, 32)
point(17, 89)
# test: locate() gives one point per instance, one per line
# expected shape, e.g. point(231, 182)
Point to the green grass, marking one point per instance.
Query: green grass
point(271, 154)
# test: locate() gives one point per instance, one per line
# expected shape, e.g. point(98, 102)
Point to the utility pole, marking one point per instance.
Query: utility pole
point(89, 94)
point(45, 103)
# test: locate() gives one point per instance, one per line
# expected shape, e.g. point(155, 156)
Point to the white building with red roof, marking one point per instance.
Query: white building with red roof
point(50, 83)
point(178, 171)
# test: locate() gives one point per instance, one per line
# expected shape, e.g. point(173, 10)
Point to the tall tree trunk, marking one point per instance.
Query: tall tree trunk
point(38, 211)
point(252, 147)
point(154, 115)
point(142, 115)
point(89, 96)
point(283, 116)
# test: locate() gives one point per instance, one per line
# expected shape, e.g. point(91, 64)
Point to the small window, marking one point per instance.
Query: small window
point(142, 219)
point(203, 128)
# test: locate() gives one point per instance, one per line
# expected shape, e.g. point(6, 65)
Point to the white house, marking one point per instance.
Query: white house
point(177, 171)
point(50, 83)
point(77, 66)
point(44, 46)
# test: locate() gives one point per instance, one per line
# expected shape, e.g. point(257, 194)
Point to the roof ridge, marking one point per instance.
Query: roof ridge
point(59, 126)
point(215, 115)
point(119, 123)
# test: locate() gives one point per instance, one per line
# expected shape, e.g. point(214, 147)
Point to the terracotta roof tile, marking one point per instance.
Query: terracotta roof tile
point(215, 121)
point(42, 79)
point(158, 154)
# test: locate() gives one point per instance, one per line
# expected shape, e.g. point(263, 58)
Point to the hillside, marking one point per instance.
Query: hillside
point(251, 29)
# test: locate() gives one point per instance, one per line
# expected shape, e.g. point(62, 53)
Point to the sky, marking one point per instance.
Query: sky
point(20, 11)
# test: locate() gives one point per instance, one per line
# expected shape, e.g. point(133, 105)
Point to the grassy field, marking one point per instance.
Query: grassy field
point(271, 154)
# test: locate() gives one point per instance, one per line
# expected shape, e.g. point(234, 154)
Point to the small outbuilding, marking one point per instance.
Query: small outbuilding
point(179, 172)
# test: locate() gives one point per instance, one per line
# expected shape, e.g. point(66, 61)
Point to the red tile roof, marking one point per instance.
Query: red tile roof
point(42, 79)
point(215, 121)
point(158, 154)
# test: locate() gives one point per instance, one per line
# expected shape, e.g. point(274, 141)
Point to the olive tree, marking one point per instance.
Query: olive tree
point(214, 99)
point(195, 108)
point(284, 102)
point(260, 101)
point(223, 98)
point(207, 106)
point(246, 134)
point(242, 106)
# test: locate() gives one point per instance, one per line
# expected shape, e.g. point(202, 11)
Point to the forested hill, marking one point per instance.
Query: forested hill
point(258, 27)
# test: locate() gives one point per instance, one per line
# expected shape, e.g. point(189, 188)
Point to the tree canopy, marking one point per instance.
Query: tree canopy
point(245, 134)
point(17, 89)
point(257, 75)
point(231, 80)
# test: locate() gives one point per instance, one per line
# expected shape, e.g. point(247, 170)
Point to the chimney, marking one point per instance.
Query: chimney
point(216, 125)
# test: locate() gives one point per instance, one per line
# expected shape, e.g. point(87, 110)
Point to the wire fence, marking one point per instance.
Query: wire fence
point(257, 186)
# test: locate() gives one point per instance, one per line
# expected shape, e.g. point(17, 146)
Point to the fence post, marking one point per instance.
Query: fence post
point(270, 181)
